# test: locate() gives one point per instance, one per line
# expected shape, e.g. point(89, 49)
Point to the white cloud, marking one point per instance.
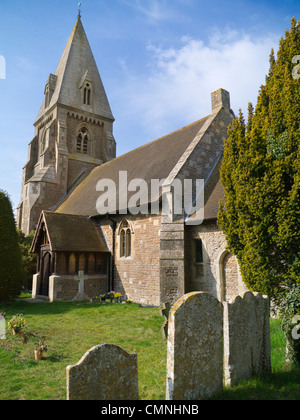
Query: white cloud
point(178, 88)
point(25, 64)
point(153, 10)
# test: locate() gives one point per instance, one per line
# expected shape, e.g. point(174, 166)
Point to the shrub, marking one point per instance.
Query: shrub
point(29, 261)
point(290, 312)
point(11, 272)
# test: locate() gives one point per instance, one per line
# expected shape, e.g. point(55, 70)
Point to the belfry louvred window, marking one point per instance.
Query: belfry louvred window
point(82, 141)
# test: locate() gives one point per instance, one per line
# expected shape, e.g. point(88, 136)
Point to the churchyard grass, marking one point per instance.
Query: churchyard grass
point(283, 384)
point(71, 329)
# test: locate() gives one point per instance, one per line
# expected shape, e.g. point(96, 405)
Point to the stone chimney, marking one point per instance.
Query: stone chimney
point(220, 98)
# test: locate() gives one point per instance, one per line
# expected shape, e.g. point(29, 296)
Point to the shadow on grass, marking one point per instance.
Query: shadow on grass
point(55, 308)
point(55, 358)
point(283, 385)
point(40, 308)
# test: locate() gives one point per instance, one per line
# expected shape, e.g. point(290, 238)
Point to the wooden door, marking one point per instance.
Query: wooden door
point(45, 274)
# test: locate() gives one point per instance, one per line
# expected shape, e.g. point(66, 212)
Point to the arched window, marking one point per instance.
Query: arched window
point(81, 263)
point(72, 264)
point(87, 92)
point(128, 243)
point(125, 240)
point(82, 141)
point(61, 265)
point(122, 243)
point(198, 257)
point(198, 251)
point(44, 141)
point(91, 264)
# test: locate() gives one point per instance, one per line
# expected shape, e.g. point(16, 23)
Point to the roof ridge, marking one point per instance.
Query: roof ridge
point(151, 142)
point(65, 214)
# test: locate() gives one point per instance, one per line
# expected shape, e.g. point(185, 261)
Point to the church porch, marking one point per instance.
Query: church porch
point(73, 260)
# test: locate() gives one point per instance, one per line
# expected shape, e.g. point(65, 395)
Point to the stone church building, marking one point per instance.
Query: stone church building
point(150, 258)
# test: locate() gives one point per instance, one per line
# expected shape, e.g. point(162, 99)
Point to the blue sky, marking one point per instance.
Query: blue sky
point(159, 61)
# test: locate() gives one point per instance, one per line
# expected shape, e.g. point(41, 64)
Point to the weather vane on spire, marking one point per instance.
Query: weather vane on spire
point(79, 10)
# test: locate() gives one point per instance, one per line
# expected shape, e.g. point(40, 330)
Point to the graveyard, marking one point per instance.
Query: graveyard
point(69, 330)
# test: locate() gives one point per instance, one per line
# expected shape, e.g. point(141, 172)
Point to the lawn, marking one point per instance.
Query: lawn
point(71, 329)
point(283, 384)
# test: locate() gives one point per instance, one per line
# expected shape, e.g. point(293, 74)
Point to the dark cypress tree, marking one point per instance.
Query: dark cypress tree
point(11, 273)
point(261, 176)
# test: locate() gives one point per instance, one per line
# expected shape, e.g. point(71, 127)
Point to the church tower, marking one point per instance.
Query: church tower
point(73, 132)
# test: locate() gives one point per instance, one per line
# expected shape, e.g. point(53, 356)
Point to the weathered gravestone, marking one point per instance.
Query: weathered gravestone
point(2, 328)
point(247, 345)
point(195, 348)
point(164, 311)
point(105, 373)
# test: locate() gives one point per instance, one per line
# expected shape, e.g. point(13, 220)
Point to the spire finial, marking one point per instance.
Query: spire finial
point(79, 10)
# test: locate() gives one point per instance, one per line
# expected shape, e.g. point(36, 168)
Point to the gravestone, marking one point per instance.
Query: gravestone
point(247, 343)
point(2, 328)
point(164, 311)
point(105, 373)
point(195, 348)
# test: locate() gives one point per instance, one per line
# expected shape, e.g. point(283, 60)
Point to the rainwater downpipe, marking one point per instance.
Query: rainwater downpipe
point(112, 274)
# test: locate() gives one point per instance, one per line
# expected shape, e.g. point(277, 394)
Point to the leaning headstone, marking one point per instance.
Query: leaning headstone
point(195, 348)
point(247, 343)
point(105, 373)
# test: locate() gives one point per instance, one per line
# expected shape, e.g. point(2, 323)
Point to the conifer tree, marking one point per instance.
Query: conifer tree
point(11, 273)
point(261, 176)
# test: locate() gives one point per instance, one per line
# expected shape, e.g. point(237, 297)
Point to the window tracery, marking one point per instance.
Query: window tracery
point(82, 141)
point(125, 240)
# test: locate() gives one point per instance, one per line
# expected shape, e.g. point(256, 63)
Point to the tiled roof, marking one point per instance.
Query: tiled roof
point(154, 160)
point(70, 233)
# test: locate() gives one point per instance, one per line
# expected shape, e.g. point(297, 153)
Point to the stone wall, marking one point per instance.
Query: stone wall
point(172, 260)
point(138, 276)
point(67, 287)
point(162, 265)
point(219, 273)
point(178, 272)
point(48, 175)
point(230, 276)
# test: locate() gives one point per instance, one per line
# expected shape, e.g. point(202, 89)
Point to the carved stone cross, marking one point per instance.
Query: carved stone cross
point(81, 296)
